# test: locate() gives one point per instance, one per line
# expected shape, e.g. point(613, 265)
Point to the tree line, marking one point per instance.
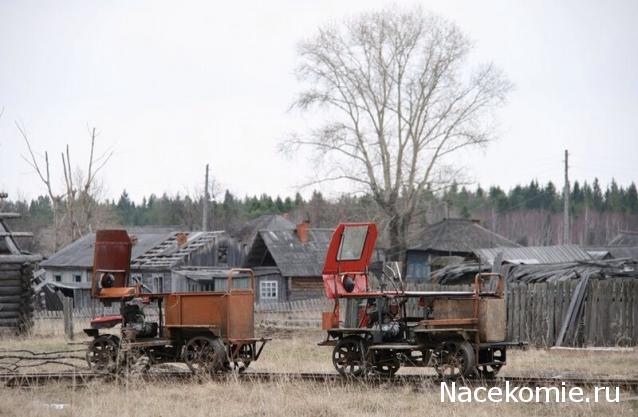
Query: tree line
point(530, 214)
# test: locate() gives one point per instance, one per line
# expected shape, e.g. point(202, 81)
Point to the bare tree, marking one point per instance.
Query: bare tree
point(397, 99)
point(75, 207)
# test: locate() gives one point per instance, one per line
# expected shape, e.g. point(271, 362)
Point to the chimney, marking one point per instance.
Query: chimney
point(302, 231)
point(181, 238)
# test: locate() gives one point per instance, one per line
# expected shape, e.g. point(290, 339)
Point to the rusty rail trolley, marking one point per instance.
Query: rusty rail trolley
point(458, 333)
point(211, 332)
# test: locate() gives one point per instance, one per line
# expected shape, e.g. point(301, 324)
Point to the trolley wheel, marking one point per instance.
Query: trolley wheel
point(241, 359)
point(487, 371)
point(204, 355)
point(497, 357)
point(454, 360)
point(386, 363)
point(101, 355)
point(349, 356)
point(241, 366)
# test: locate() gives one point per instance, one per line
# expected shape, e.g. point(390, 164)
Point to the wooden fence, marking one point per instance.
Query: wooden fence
point(535, 312)
point(609, 314)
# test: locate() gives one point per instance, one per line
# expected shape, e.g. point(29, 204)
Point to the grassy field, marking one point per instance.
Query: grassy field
point(298, 351)
point(286, 399)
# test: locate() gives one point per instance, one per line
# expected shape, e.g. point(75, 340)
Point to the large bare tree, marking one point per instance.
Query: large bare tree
point(397, 97)
point(75, 207)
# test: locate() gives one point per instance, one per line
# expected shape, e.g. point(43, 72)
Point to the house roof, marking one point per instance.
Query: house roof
point(616, 252)
point(151, 250)
point(625, 238)
point(249, 230)
point(79, 254)
point(459, 235)
point(207, 273)
point(168, 253)
point(293, 257)
point(535, 254)
point(464, 273)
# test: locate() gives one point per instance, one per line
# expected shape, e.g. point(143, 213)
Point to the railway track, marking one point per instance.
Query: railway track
point(79, 379)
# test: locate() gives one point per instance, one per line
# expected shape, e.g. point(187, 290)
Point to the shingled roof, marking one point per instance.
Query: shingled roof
point(459, 236)
point(284, 249)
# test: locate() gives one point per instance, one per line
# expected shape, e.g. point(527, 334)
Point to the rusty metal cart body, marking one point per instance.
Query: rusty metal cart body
point(209, 331)
point(458, 333)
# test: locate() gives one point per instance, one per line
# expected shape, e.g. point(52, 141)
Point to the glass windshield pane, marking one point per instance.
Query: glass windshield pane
point(352, 241)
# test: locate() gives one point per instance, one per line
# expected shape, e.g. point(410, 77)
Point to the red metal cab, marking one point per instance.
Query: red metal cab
point(347, 259)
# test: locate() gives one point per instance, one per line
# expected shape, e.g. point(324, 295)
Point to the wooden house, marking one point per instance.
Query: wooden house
point(154, 259)
point(449, 238)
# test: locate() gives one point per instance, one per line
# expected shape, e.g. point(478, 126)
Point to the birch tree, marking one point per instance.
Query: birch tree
point(396, 97)
point(75, 206)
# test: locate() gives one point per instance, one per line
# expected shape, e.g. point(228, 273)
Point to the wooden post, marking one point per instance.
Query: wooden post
point(205, 203)
point(67, 308)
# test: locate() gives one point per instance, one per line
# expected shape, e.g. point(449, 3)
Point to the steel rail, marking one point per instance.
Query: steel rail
point(82, 378)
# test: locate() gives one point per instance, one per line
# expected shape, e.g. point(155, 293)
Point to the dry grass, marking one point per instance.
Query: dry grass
point(295, 351)
point(271, 399)
point(561, 362)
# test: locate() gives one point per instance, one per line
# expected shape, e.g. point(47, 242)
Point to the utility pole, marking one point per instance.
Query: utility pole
point(566, 234)
point(205, 204)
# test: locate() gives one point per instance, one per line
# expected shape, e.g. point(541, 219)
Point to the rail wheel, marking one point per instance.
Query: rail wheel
point(102, 353)
point(386, 363)
point(241, 359)
point(349, 356)
point(204, 355)
point(454, 360)
point(490, 371)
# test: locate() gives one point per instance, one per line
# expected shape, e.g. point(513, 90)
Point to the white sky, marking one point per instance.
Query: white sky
point(171, 88)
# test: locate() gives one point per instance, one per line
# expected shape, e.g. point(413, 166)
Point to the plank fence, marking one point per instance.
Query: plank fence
point(535, 312)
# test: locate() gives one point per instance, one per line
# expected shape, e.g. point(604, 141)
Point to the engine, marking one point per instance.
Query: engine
point(134, 324)
point(387, 312)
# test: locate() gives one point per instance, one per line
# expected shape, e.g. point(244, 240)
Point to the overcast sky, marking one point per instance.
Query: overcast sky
point(173, 88)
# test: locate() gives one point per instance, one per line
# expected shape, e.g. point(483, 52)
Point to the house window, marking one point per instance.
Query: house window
point(418, 270)
point(158, 284)
point(57, 278)
point(77, 278)
point(268, 290)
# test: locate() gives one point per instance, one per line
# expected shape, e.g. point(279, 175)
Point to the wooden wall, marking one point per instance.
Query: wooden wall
point(16, 297)
point(303, 288)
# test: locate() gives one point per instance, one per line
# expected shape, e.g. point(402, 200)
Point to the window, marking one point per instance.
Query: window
point(352, 240)
point(222, 253)
point(268, 290)
point(158, 284)
point(77, 278)
point(57, 278)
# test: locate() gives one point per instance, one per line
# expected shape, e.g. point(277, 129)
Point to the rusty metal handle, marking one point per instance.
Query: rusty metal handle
point(239, 270)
